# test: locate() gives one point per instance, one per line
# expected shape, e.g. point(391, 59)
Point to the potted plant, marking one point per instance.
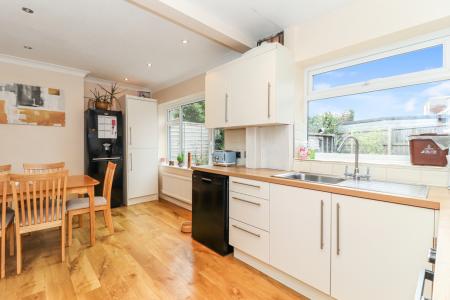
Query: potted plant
point(104, 101)
point(180, 159)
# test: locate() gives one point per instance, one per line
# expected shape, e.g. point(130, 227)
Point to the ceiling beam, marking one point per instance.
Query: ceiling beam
point(197, 21)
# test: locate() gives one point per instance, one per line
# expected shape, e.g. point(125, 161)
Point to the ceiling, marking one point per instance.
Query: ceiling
point(114, 39)
point(261, 18)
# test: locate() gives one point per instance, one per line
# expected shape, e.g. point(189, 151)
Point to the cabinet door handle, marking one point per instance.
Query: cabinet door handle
point(206, 180)
point(338, 221)
point(131, 162)
point(321, 224)
point(246, 201)
point(268, 99)
point(247, 184)
point(245, 230)
point(130, 137)
point(226, 107)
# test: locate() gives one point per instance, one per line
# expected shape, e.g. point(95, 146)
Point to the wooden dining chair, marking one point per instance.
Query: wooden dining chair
point(6, 222)
point(5, 169)
point(102, 203)
point(30, 168)
point(39, 201)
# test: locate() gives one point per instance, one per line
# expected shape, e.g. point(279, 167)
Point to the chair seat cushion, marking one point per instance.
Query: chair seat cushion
point(81, 203)
point(9, 216)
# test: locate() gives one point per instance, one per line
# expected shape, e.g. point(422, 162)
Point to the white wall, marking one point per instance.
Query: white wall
point(27, 143)
point(363, 20)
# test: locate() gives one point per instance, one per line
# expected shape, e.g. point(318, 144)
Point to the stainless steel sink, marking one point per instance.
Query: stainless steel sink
point(310, 177)
point(403, 189)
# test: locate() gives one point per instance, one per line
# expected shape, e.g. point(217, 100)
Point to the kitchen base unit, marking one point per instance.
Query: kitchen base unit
point(289, 281)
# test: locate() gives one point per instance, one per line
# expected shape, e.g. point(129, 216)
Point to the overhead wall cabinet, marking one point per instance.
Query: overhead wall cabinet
point(141, 121)
point(256, 89)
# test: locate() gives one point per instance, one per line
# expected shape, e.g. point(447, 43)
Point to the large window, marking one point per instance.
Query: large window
point(381, 99)
point(186, 132)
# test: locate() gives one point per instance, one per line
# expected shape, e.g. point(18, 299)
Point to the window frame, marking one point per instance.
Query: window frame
point(420, 77)
point(179, 105)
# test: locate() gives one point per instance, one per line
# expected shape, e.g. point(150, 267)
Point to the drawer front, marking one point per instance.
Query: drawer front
point(250, 187)
point(250, 210)
point(250, 240)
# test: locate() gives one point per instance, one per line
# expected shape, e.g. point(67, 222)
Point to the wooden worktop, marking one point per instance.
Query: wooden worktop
point(438, 198)
point(436, 195)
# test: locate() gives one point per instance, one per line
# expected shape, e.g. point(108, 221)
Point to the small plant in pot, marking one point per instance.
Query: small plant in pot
point(180, 159)
point(106, 100)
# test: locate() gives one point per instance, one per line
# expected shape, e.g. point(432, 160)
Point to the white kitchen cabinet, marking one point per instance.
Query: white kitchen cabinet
point(300, 224)
point(250, 240)
point(378, 248)
point(254, 90)
point(141, 134)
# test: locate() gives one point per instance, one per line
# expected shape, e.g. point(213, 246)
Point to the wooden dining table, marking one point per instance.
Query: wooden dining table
point(81, 184)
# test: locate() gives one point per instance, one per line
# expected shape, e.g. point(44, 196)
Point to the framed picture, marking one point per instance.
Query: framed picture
point(31, 105)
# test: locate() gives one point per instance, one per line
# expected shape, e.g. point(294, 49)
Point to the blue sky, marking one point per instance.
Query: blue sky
point(403, 101)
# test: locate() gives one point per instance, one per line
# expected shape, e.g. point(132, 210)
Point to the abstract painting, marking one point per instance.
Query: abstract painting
point(31, 105)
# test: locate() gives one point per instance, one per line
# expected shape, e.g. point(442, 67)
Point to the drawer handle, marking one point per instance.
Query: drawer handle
point(247, 184)
point(246, 201)
point(245, 230)
point(206, 180)
point(424, 275)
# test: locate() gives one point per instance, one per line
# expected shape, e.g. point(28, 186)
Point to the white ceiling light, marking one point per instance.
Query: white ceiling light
point(28, 10)
point(184, 42)
point(149, 65)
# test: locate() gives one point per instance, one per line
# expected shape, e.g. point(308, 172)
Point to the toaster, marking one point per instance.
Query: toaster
point(224, 158)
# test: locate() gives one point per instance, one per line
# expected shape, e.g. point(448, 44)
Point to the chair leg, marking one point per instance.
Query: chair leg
point(19, 251)
point(69, 229)
point(80, 221)
point(2, 255)
point(11, 240)
point(108, 220)
point(63, 240)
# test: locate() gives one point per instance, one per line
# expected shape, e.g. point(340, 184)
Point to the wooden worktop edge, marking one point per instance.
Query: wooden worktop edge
point(256, 174)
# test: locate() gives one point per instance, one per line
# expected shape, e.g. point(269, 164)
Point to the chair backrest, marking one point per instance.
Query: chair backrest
point(43, 168)
point(107, 183)
point(39, 200)
point(4, 181)
point(5, 169)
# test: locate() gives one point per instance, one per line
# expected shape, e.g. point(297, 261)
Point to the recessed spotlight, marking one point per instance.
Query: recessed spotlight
point(28, 10)
point(126, 79)
point(149, 65)
point(185, 41)
point(28, 47)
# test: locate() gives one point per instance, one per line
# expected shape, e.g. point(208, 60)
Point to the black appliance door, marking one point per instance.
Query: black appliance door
point(210, 211)
point(97, 170)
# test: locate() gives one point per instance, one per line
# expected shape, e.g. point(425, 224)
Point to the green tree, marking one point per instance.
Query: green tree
point(328, 123)
point(194, 112)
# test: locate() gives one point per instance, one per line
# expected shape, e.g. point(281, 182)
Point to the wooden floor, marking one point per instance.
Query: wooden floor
point(146, 258)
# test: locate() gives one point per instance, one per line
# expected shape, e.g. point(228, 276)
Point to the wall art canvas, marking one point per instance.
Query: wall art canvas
point(31, 105)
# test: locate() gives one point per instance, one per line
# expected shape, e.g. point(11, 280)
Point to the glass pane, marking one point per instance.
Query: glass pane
point(173, 114)
point(381, 120)
point(196, 141)
point(219, 139)
point(194, 112)
point(173, 140)
point(414, 61)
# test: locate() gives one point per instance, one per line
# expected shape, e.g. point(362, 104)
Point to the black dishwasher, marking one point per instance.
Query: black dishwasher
point(210, 211)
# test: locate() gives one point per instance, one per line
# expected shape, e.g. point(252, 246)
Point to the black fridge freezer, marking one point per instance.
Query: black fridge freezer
point(210, 211)
point(103, 143)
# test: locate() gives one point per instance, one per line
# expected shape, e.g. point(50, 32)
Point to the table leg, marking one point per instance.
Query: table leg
point(92, 214)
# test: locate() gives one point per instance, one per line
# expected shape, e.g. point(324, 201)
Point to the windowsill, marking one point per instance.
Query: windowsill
point(176, 167)
point(389, 163)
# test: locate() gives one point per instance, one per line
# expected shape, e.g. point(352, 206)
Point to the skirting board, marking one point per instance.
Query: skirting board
point(176, 201)
point(143, 199)
point(289, 281)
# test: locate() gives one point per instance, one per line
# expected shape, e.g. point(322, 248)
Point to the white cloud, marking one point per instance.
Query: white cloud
point(410, 105)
